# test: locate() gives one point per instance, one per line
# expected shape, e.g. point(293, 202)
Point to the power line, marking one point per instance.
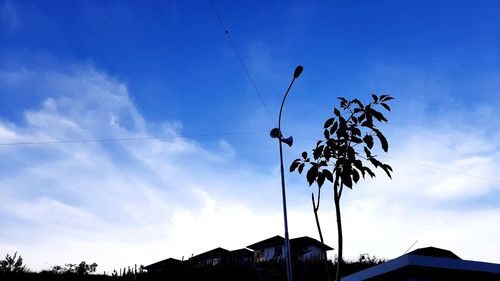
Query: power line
point(427, 166)
point(227, 134)
point(126, 139)
point(441, 169)
point(240, 59)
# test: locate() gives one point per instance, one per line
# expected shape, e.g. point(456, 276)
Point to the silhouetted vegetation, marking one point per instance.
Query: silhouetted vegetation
point(82, 268)
point(12, 265)
point(184, 271)
point(342, 156)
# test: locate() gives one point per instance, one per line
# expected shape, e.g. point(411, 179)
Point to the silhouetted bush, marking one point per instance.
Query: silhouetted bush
point(186, 271)
point(12, 265)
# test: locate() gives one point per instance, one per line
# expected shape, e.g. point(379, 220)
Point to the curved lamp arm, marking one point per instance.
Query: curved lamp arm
point(296, 74)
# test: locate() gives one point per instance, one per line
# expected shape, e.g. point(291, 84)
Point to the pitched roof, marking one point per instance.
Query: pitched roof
point(434, 252)
point(163, 263)
point(240, 252)
point(306, 240)
point(295, 242)
point(215, 252)
point(275, 240)
point(451, 268)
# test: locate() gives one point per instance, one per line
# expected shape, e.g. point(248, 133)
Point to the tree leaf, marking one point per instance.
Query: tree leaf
point(366, 169)
point(304, 155)
point(367, 152)
point(342, 99)
point(326, 134)
point(361, 117)
point(336, 111)
point(343, 102)
point(379, 116)
point(386, 169)
point(294, 165)
point(346, 178)
point(329, 122)
point(385, 106)
point(301, 167)
point(388, 98)
point(355, 131)
point(317, 152)
point(362, 172)
point(355, 175)
point(368, 139)
point(375, 98)
point(368, 122)
point(320, 179)
point(312, 175)
point(356, 101)
point(374, 162)
point(342, 130)
point(383, 140)
point(328, 175)
point(355, 139)
point(334, 128)
point(351, 153)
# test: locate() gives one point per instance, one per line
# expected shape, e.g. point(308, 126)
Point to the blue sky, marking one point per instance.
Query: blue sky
point(121, 69)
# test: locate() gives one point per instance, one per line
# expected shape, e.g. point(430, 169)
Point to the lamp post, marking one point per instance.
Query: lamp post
point(276, 133)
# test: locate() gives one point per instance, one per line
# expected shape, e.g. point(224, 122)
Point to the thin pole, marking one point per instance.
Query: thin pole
point(287, 239)
point(283, 192)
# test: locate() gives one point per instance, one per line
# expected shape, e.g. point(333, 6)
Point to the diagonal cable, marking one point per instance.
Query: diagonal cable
point(240, 59)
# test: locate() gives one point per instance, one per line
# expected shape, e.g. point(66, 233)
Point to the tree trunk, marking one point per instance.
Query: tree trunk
point(323, 252)
point(336, 197)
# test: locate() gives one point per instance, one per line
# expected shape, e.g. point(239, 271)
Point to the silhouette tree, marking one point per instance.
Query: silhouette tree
point(11, 264)
point(83, 268)
point(343, 155)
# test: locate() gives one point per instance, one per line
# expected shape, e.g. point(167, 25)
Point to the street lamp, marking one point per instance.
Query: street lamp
point(276, 133)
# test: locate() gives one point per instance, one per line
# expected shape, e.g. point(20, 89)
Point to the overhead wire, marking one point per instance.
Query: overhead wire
point(440, 169)
point(252, 81)
point(427, 166)
point(240, 59)
point(126, 139)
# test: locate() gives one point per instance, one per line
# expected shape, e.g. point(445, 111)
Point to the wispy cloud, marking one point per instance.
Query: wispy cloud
point(67, 192)
point(120, 203)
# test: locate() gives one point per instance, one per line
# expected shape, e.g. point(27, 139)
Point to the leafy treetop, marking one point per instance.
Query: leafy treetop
point(347, 145)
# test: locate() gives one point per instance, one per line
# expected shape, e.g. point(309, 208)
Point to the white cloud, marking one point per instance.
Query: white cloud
point(120, 203)
point(115, 203)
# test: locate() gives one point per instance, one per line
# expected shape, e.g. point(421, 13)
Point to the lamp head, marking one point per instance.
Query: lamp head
point(298, 71)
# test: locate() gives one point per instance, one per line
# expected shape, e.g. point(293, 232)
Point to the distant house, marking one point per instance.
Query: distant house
point(213, 257)
point(302, 249)
point(163, 266)
point(269, 249)
point(429, 264)
point(241, 257)
point(306, 248)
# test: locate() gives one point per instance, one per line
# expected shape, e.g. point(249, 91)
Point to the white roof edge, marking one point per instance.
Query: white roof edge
point(380, 269)
point(454, 264)
point(416, 260)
